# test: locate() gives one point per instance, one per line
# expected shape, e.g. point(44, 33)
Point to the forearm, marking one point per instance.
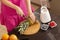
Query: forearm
point(28, 3)
point(6, 2)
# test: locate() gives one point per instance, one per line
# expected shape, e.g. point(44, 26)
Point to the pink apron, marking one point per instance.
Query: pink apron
point(9, 17)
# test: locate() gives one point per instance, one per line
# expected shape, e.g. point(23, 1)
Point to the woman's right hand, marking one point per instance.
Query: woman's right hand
point(19, 11)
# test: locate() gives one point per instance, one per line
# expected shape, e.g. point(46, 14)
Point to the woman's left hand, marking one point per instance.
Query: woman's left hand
point(32, 16)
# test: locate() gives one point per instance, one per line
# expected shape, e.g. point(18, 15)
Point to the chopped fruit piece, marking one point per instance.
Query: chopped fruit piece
point(52, 24)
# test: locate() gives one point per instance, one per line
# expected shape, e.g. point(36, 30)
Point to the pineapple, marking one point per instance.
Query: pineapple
point(22, 26)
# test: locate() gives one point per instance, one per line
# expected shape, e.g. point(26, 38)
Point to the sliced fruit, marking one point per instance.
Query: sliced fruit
point(5, 37)
point(13, 37)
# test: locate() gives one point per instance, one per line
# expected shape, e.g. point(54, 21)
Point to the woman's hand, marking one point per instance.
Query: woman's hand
point(32, 16)
point(19, 11)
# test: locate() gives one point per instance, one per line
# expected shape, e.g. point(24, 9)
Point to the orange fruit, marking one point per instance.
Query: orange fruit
point(5, 37)
point(13, 37)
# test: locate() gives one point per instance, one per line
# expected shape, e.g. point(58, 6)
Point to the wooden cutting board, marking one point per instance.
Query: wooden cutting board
point(33, 29)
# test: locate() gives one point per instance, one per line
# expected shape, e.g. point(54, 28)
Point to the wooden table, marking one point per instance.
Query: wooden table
point(50, 34)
